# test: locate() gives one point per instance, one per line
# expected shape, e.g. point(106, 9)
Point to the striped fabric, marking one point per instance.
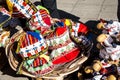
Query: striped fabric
point(31, 44)
point(61, 46)
point(24, 8)
point(40, 21)
point(17, 13)
point(36, 60)
point(38, 66)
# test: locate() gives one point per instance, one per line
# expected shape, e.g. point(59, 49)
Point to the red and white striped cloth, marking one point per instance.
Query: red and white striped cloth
point(23, 7)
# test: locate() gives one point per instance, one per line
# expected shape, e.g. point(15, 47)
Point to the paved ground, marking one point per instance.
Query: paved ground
point(90, 9)
point(83, 10)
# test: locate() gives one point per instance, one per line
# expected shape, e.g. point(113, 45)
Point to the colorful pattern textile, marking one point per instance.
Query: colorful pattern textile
point(17, 13)
point(13, 10)
point(40, 21)
point(24, 7)
point(38, 66)
point(62, 48)
point(33, 50)
point(40, 56)
point(31, 44)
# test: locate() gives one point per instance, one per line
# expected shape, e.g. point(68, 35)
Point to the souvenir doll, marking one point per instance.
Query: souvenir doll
point(110, 49)
point(101, 70)
point(109, 27)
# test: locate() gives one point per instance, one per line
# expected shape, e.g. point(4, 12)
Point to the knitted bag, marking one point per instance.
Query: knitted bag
point(21, 8)
point(13, 10)
point(40, 21)
point(62, 49)
point(33, 50)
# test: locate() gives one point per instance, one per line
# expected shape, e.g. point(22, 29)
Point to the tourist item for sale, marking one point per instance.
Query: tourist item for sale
point(101, 70)
point(110, 50)
point(110, 27)
point(21, 8)
point(40, 21)
point(49, 48)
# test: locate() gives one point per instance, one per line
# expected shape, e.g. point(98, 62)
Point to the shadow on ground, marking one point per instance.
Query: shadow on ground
point(5, 67)
point(93, 34)
point(64, 14)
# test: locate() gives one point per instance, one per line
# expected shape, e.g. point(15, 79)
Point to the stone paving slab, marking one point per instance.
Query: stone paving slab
point(91, 9)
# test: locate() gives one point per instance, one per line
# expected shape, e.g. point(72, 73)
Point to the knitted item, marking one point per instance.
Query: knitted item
point(23, 6)
point(43, 8)
point(40, 21)
point(62, 48)
point(17, 13)
point(13, 9)
point(31, 44)
point(33, 50)
point(38, 66)
point(67, 57)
